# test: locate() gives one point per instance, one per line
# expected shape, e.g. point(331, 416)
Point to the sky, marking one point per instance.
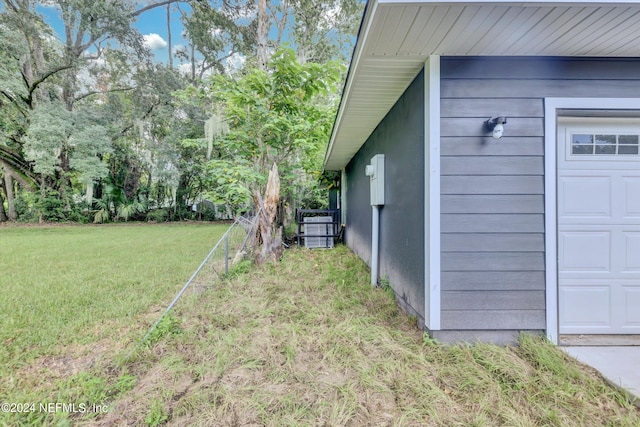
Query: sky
point(152, 24)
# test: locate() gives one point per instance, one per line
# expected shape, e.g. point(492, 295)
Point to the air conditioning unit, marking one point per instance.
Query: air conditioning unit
point(322, 228)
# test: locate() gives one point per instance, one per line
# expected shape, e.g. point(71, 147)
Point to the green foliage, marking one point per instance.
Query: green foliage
point(280, 116)
point(231, 180)
point(427, 341)
point(157, 414)
point(50, 206)
point(167, 326)
point(47, 137)
point(324, 30)
point(157, 215)
point(214, 29)
point(89, 143)
point(77, 126)
point(116, 206)
point(25, 205)
point(12, 49)
point(240, 268)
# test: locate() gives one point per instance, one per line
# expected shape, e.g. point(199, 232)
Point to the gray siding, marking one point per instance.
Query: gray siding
point(492, 191)
point(400, 137)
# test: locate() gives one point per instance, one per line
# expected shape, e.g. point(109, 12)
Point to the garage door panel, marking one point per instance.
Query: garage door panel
point(632, 253)
point(585, 307)
point(583, 251)
point(572, 202)
point(632, 197)
point(631, 306)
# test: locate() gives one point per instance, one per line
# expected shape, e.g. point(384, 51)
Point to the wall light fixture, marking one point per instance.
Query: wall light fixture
point(495, 125)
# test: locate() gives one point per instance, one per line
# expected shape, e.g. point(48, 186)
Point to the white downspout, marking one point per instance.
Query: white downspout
point(375, 241)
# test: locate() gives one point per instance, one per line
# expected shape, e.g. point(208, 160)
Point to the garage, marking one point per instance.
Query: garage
point(598, 225)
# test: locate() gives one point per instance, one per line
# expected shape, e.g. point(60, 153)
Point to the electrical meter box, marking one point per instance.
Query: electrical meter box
point(375, 172)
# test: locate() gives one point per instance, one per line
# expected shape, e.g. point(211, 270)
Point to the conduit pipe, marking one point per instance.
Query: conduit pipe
point(375, 172)
point(375, 241)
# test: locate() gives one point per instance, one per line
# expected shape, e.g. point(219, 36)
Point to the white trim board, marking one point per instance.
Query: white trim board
point(551, 107)
point(432, 190)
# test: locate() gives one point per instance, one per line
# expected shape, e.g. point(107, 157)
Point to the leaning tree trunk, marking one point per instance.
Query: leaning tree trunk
point(12, 213)
point(269, 232)
point(3, 213)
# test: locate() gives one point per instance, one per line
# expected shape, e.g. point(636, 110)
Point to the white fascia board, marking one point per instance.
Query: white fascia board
point(551, 107)
point(511, 2)
point(432, 193)
point(367, 20)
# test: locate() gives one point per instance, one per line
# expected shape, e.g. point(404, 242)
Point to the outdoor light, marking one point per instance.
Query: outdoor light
point(496, 126)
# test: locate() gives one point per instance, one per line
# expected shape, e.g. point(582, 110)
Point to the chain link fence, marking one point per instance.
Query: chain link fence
point(233, 247)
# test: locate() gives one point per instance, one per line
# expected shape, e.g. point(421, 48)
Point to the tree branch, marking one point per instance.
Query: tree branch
point(95, 92)
point(154, 5)
point(129, 127)
point(13, 101)
point(45, 76)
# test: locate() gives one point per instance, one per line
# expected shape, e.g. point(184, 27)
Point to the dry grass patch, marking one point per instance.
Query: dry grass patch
point(308, 342)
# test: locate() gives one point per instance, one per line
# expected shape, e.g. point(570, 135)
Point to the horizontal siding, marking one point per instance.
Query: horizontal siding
point(492, 280)
point(491, 203)
point(492, 217)
point(474, 126)
point(493, 319)
point(492, 242)
point(487, 88)
point(504, 165)
point(468, 184)
point(492, 261)
point(487, 146)
point(492, 223)
point(400, 137)
point(530, 68)
point(490, 107)
point(494, 300)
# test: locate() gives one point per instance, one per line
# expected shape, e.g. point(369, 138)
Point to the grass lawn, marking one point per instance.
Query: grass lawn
point(307, 342)
point(71, 288)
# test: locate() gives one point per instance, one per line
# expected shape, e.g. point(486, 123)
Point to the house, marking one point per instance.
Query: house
point(481, 238)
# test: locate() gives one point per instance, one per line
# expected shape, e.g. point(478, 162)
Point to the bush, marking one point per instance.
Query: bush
point(50, 207)
point(157, 215)
point(25, 206)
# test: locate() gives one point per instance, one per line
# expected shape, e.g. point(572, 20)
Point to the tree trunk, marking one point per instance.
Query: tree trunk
point(193, 63)
point(261, 37)
point(269, 232)
point(169, 35)
point(89, 194)
point(8, 188)
point(3, 213)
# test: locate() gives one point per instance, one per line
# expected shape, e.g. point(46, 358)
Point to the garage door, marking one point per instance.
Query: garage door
point(599, 226)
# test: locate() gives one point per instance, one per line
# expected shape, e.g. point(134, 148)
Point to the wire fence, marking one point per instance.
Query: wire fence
point(234, 246)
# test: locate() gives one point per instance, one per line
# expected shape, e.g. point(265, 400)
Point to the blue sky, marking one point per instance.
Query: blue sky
point(149, 23)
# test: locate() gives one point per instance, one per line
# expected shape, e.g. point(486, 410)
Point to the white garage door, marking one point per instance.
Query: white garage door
point(599, 226)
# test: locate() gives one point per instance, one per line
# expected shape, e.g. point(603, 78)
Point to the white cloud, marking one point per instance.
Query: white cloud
point(185, 68)
point(49, 4)
point(177, 47)
point(234, 63)
point(153, 41)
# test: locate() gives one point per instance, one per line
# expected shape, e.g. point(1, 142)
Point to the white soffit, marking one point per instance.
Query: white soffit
point(396, 38)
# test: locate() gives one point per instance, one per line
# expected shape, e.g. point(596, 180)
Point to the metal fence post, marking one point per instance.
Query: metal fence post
point(226, 254)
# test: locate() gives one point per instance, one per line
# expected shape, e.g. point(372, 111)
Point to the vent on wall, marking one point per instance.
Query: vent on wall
point(319, 230)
